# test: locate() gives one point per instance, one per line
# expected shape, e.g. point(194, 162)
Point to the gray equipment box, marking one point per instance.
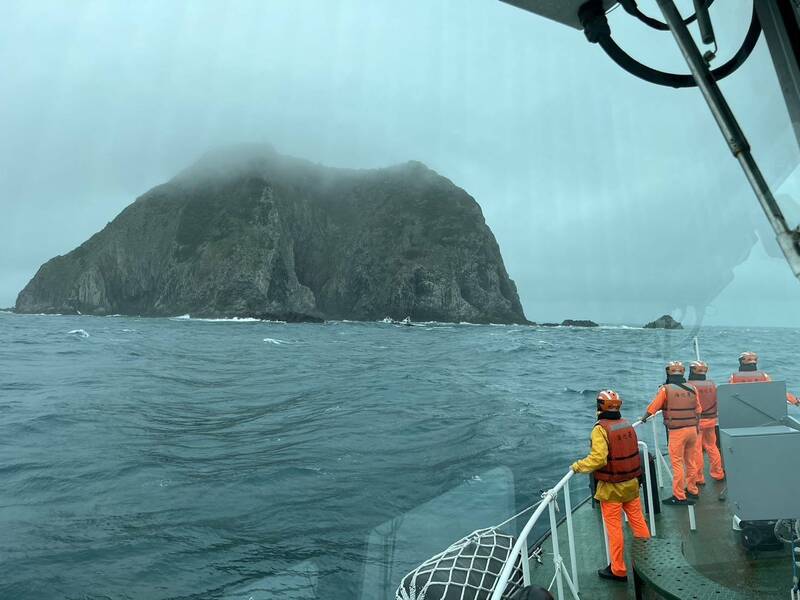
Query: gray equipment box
point(794, 416)
point(760, 467)
point(751, 404)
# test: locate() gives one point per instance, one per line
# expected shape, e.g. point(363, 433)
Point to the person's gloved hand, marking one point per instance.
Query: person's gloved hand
point(646, 416)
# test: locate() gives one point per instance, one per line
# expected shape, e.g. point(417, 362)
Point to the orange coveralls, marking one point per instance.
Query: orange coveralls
point(682, 450)
point(707, 440)
point(614, 498)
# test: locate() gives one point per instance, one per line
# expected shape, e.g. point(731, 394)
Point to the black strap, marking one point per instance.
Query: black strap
point(623, 457)
point(597, 30)
point(687, 388)
point(628, 471)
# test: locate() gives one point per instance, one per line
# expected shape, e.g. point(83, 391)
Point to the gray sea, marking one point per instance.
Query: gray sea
point(182, 458)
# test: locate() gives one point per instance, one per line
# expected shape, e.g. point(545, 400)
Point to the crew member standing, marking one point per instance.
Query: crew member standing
point(681, 411)
point(614, 460)
point(748, 370)
point(750, 373)
point(707, 436)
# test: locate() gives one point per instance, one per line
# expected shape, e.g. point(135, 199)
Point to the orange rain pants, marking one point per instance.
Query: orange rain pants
point(612, 517)
point(707, 440)
point(682, 454)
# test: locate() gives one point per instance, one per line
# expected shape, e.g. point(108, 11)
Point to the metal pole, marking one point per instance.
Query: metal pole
point(788, 240)
point(573, 561)
point(605, 539)
point(526, 564)
point(696, 348)
point(522, 539)
point(649, 488)
point(556, 552)
point(657, 450)
point(573, 586)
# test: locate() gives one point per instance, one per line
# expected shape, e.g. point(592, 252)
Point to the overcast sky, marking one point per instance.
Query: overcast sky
point(611, 199)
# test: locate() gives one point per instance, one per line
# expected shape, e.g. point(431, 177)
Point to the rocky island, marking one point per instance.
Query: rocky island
point(664, 322)
point(249, 232)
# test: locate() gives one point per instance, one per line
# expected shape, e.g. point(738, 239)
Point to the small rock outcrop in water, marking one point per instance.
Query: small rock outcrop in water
point(579, 323)
point(664, 322)
point(249, 232)
point(571, 323)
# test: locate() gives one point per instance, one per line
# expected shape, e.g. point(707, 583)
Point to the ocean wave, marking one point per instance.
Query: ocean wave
point(569, 390)
point(276, 342)
point(79, 332)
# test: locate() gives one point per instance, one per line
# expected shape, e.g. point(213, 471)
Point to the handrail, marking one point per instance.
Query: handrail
point(548, 498)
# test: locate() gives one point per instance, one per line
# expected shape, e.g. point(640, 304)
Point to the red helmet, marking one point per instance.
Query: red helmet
point(675, 367)
point(699, 367)
point(608, 400)
point(748, 358)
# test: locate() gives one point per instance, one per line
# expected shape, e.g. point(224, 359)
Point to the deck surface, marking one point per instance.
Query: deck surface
point(713, 549)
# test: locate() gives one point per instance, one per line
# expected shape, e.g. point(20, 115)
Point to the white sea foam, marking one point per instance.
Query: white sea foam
point(276, 342)
point(79, 332)
point(223, 320)
point(231, 320)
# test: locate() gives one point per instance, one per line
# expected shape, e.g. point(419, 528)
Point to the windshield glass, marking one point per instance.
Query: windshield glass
point(298, 294)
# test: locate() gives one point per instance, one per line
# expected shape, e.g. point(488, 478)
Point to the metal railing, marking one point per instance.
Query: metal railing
point(549, 501)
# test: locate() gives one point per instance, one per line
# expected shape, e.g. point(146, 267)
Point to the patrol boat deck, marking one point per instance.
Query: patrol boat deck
point(694, 553)
point(713, 550)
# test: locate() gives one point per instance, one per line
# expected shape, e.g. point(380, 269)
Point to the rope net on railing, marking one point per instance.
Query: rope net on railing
point(467, 570)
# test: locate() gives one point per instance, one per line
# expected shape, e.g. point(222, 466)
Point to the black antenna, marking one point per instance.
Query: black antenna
point(704, 22)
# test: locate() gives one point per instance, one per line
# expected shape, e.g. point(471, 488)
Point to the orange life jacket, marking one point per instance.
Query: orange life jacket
point(679, 411)
point(623, 463)
point(707, 393)
point(749, 377)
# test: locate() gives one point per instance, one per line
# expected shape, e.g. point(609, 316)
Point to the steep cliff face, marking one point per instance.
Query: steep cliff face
point(247, 231)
